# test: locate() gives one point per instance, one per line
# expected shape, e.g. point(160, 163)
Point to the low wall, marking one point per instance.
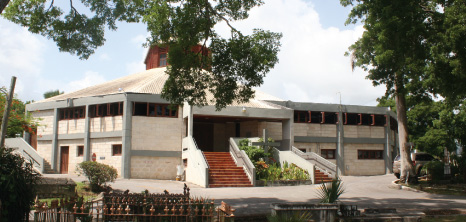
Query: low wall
point(55, 187)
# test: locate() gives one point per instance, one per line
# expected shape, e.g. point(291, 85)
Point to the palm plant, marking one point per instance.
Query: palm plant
point(330, 193)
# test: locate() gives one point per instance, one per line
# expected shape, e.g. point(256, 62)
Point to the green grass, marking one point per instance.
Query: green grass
point(459, 218)
point(82, 189)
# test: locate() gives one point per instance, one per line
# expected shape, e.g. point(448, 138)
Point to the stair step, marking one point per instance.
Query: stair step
point(223, 171)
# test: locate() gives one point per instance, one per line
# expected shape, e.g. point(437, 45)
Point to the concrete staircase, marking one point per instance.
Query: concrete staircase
point(321, 177)
point(223, 171)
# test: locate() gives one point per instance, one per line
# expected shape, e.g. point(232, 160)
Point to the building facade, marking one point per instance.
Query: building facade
point(126, 124)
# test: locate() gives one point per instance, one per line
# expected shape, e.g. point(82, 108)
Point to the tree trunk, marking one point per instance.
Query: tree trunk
point(405, 152)
point(3, 4)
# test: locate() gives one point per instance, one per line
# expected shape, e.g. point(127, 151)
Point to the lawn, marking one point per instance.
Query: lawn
point(444, 189)
point(82, 189)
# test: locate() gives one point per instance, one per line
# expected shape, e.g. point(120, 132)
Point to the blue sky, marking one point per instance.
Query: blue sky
point(312, 67)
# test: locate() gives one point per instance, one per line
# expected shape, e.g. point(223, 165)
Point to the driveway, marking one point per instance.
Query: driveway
point(364, 191)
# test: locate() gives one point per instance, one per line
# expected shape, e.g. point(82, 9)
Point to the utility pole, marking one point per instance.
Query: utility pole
point(6, 113)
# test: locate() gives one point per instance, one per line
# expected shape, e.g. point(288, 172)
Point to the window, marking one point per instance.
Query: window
point(330, 118)
point(316, 117)
point(116, 150)
point(351, 119)
point(115, 109)
point(153, 109)
point(163, 60)
point(370, 154)
point(80, 151)
point(301, 116)
point(72, 113)
point(380, 120)
point(328, 154)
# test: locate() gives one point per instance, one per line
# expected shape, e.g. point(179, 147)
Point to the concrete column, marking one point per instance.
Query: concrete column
point(54, 159)
point(387, 154)
point(286, 134)
point(126, 139)
point(340, 146)
point(190, 120)
point(87, 136)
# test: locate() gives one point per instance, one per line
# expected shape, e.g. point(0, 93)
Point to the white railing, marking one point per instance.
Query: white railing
point(26, 151)
point(197, 170)
point(293, 158)
point(320, 163)
point(242, 159)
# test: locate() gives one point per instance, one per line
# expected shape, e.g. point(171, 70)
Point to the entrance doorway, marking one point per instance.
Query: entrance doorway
point(65, 151)
point(204, 136)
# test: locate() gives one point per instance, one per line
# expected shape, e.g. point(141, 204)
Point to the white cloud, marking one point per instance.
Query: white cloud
point(90, 78)
point(21, 55)
point(312, 64)
point(104, 57)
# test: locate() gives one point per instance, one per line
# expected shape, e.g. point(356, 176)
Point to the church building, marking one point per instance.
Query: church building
point(126, 124)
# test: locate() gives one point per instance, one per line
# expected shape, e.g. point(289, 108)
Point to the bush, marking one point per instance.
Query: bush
point(434, 170)
point(254, 153)
point(17, 182)
point(98, 174)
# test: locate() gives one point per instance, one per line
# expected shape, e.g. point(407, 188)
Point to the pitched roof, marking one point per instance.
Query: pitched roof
point(151, 82)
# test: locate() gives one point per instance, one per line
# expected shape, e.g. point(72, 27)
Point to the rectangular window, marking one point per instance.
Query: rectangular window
point(80, 151)
point(366, 119)
point(301, 116)
point(370, 154)
point(163, 60)
point(115, 109)
point(316, 117)
point(157, 110)
point(116, 150)
point(328, 154)
point(330, 118)
point(380, 120)
point(72, 113)
point(351, 119)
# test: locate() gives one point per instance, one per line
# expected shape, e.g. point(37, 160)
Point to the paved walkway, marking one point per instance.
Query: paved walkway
point(364, 191)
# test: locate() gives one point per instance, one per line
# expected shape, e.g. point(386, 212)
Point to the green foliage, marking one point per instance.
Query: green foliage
point(254, 153)
point(18, 120)
point(52, 93)
point(17, 181)
point(330, 193)
point(434, 170)
point(459, 167)
point(98, 174)
point(237, 64)
point(273, 172)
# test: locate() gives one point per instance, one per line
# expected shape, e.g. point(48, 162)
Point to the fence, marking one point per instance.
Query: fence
point(134, 207)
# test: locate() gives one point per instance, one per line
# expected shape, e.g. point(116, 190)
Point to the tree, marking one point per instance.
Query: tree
point(235, 65)
point(52, 93)
point(18, 120)
point(391, 50)
point(17, 182)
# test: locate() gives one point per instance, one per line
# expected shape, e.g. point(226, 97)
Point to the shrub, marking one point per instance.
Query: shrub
point(254, 153)
point(459, 167)
point(98, 174)
point(331, 193)
point(434, 170)
point(17, 182)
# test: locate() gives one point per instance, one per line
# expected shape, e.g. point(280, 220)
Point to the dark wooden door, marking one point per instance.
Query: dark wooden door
point(203, 133)
point(65, 151)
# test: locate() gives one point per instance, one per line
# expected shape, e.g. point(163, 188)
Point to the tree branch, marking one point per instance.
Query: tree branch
point(74, 9)
point(51, 4)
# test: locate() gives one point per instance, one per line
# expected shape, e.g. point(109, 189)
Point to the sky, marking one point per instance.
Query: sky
point(312, 66)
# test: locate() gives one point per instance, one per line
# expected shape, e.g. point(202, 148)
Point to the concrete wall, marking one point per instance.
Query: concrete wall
point(274, 130)
point(364, 131)
point(44, 148)
point(363, 167)
point(102, 147)
point(45, 119)
point(156, 133)
point(249, 129)
point(147, 167)
point(106, 124)
point(220, 137)
point(71, 126)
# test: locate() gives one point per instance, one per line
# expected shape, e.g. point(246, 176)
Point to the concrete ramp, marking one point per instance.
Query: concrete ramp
point(27, 152)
